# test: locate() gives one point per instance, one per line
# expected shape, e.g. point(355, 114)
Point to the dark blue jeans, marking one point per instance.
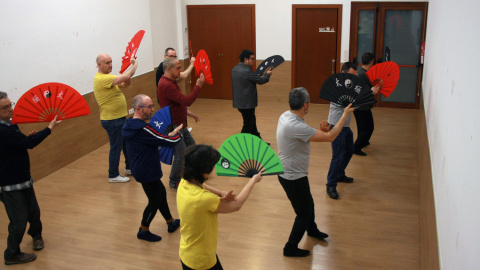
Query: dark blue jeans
point(117, 143)
point(21, 207)
point(342, 151)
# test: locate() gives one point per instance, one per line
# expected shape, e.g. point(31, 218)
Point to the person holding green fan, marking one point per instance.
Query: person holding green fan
point(199, 204)
point(293, 138)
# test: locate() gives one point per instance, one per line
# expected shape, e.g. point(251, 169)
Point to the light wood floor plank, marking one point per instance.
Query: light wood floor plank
point(91, 224)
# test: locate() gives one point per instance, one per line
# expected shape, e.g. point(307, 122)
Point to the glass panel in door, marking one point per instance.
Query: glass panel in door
point(366, 28)
point(402, 36)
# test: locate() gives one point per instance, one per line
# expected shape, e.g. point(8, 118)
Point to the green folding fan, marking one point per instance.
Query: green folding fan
point(244, 155)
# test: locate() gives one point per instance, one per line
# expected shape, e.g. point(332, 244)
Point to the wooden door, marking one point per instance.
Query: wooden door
point(223, 31)
point(398, 28)
point(316, 46)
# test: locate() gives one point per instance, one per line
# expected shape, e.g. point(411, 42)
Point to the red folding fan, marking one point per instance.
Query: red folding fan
point(45, 101)
point(131, 50)
point(202, 65)
point(386, 75)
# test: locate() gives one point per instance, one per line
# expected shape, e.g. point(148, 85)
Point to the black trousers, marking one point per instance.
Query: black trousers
point(249, 122)
point(365, 128)
point(298, 192)
point(217, 266)
point(21, 207)
point(157, 200)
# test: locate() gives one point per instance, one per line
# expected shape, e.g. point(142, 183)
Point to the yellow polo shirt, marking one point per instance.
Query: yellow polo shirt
point(110, 99)
point(198, 225)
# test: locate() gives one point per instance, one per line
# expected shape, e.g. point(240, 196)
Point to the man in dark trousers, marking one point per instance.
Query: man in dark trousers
point(142, 148)
point(244, 86)
point(16, 183)
point(363, 115)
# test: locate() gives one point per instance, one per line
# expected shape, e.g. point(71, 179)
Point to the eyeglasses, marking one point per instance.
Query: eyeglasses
point(174, 56)
point(252, 58)
point(9, 106)
point(151, 106)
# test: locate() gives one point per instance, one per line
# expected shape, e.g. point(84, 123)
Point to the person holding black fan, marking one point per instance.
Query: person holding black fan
point(342, 146)
point(363, 114)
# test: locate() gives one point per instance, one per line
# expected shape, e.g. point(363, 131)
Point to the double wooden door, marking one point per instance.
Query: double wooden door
point(223, 31)
point(392, 31)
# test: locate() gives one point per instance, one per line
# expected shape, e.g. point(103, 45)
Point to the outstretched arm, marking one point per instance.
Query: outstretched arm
point(324, 134)
point(229, 206)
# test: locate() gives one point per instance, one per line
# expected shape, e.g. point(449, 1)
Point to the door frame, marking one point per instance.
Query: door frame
point(294, 34)
point(379, 7)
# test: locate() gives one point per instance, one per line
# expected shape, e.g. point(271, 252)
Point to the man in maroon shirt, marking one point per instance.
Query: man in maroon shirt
point(169, 94)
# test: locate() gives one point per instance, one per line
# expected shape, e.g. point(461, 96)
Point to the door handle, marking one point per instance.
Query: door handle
point(333, 66)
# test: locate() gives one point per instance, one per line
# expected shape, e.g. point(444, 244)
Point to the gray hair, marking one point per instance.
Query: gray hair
point(168, 62)
point(298, 97)
point(138, 100)
point(3, 95)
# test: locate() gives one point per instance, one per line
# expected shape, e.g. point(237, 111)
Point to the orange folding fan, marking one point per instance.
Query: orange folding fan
point(202, 65)
point(386, 75)
point(45, 101)
point(131, 50)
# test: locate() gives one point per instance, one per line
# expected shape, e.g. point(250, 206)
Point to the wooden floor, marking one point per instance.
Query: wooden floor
point(92, 224)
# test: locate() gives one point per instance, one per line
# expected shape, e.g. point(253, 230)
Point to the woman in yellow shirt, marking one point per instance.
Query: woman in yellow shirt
point(198, 205)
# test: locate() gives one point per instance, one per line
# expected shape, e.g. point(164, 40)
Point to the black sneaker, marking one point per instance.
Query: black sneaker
point(318, 234)
point(148, 236)
point(359, 153)
point(345, 179)
point(173, 226)
point(38, 243)
point(332, 192)
point(295, 252)
point(21, 258)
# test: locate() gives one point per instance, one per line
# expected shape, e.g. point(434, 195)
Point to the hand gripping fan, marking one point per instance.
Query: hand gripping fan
point(244, 155)
point(45, 101)
point(162, 122)
point(386, 75)
point(271, 62)
point(131, 50)
point(202, 65)
point(345, 88)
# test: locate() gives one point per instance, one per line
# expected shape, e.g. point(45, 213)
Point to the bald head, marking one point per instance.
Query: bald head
point(104, 63)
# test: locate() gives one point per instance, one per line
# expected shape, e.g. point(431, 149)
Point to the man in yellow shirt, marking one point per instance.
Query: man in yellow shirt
point(113, 111)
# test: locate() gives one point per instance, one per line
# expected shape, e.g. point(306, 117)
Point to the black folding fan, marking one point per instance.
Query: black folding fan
point(344, 88)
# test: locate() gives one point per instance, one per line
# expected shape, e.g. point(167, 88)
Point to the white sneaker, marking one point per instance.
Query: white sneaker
point(128, 172)
point(119, 179)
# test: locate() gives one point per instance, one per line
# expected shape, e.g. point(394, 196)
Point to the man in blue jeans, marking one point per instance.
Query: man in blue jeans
point(342, 146)
point(113, 111)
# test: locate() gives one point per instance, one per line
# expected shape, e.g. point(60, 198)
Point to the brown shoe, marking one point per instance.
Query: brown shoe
point(38, 243)
point(21, 258)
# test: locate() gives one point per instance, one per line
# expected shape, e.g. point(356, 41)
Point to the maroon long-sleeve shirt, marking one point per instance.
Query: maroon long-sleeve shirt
point(169, 94)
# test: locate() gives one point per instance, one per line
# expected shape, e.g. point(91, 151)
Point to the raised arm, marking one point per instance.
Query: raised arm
point(325, 134)
point(123, 80)
point(184, 74)
point(229, 206)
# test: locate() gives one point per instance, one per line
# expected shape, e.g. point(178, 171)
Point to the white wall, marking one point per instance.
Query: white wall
point(58, 41)
point(274, 23)
point(452, 94)
point(164, 15)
